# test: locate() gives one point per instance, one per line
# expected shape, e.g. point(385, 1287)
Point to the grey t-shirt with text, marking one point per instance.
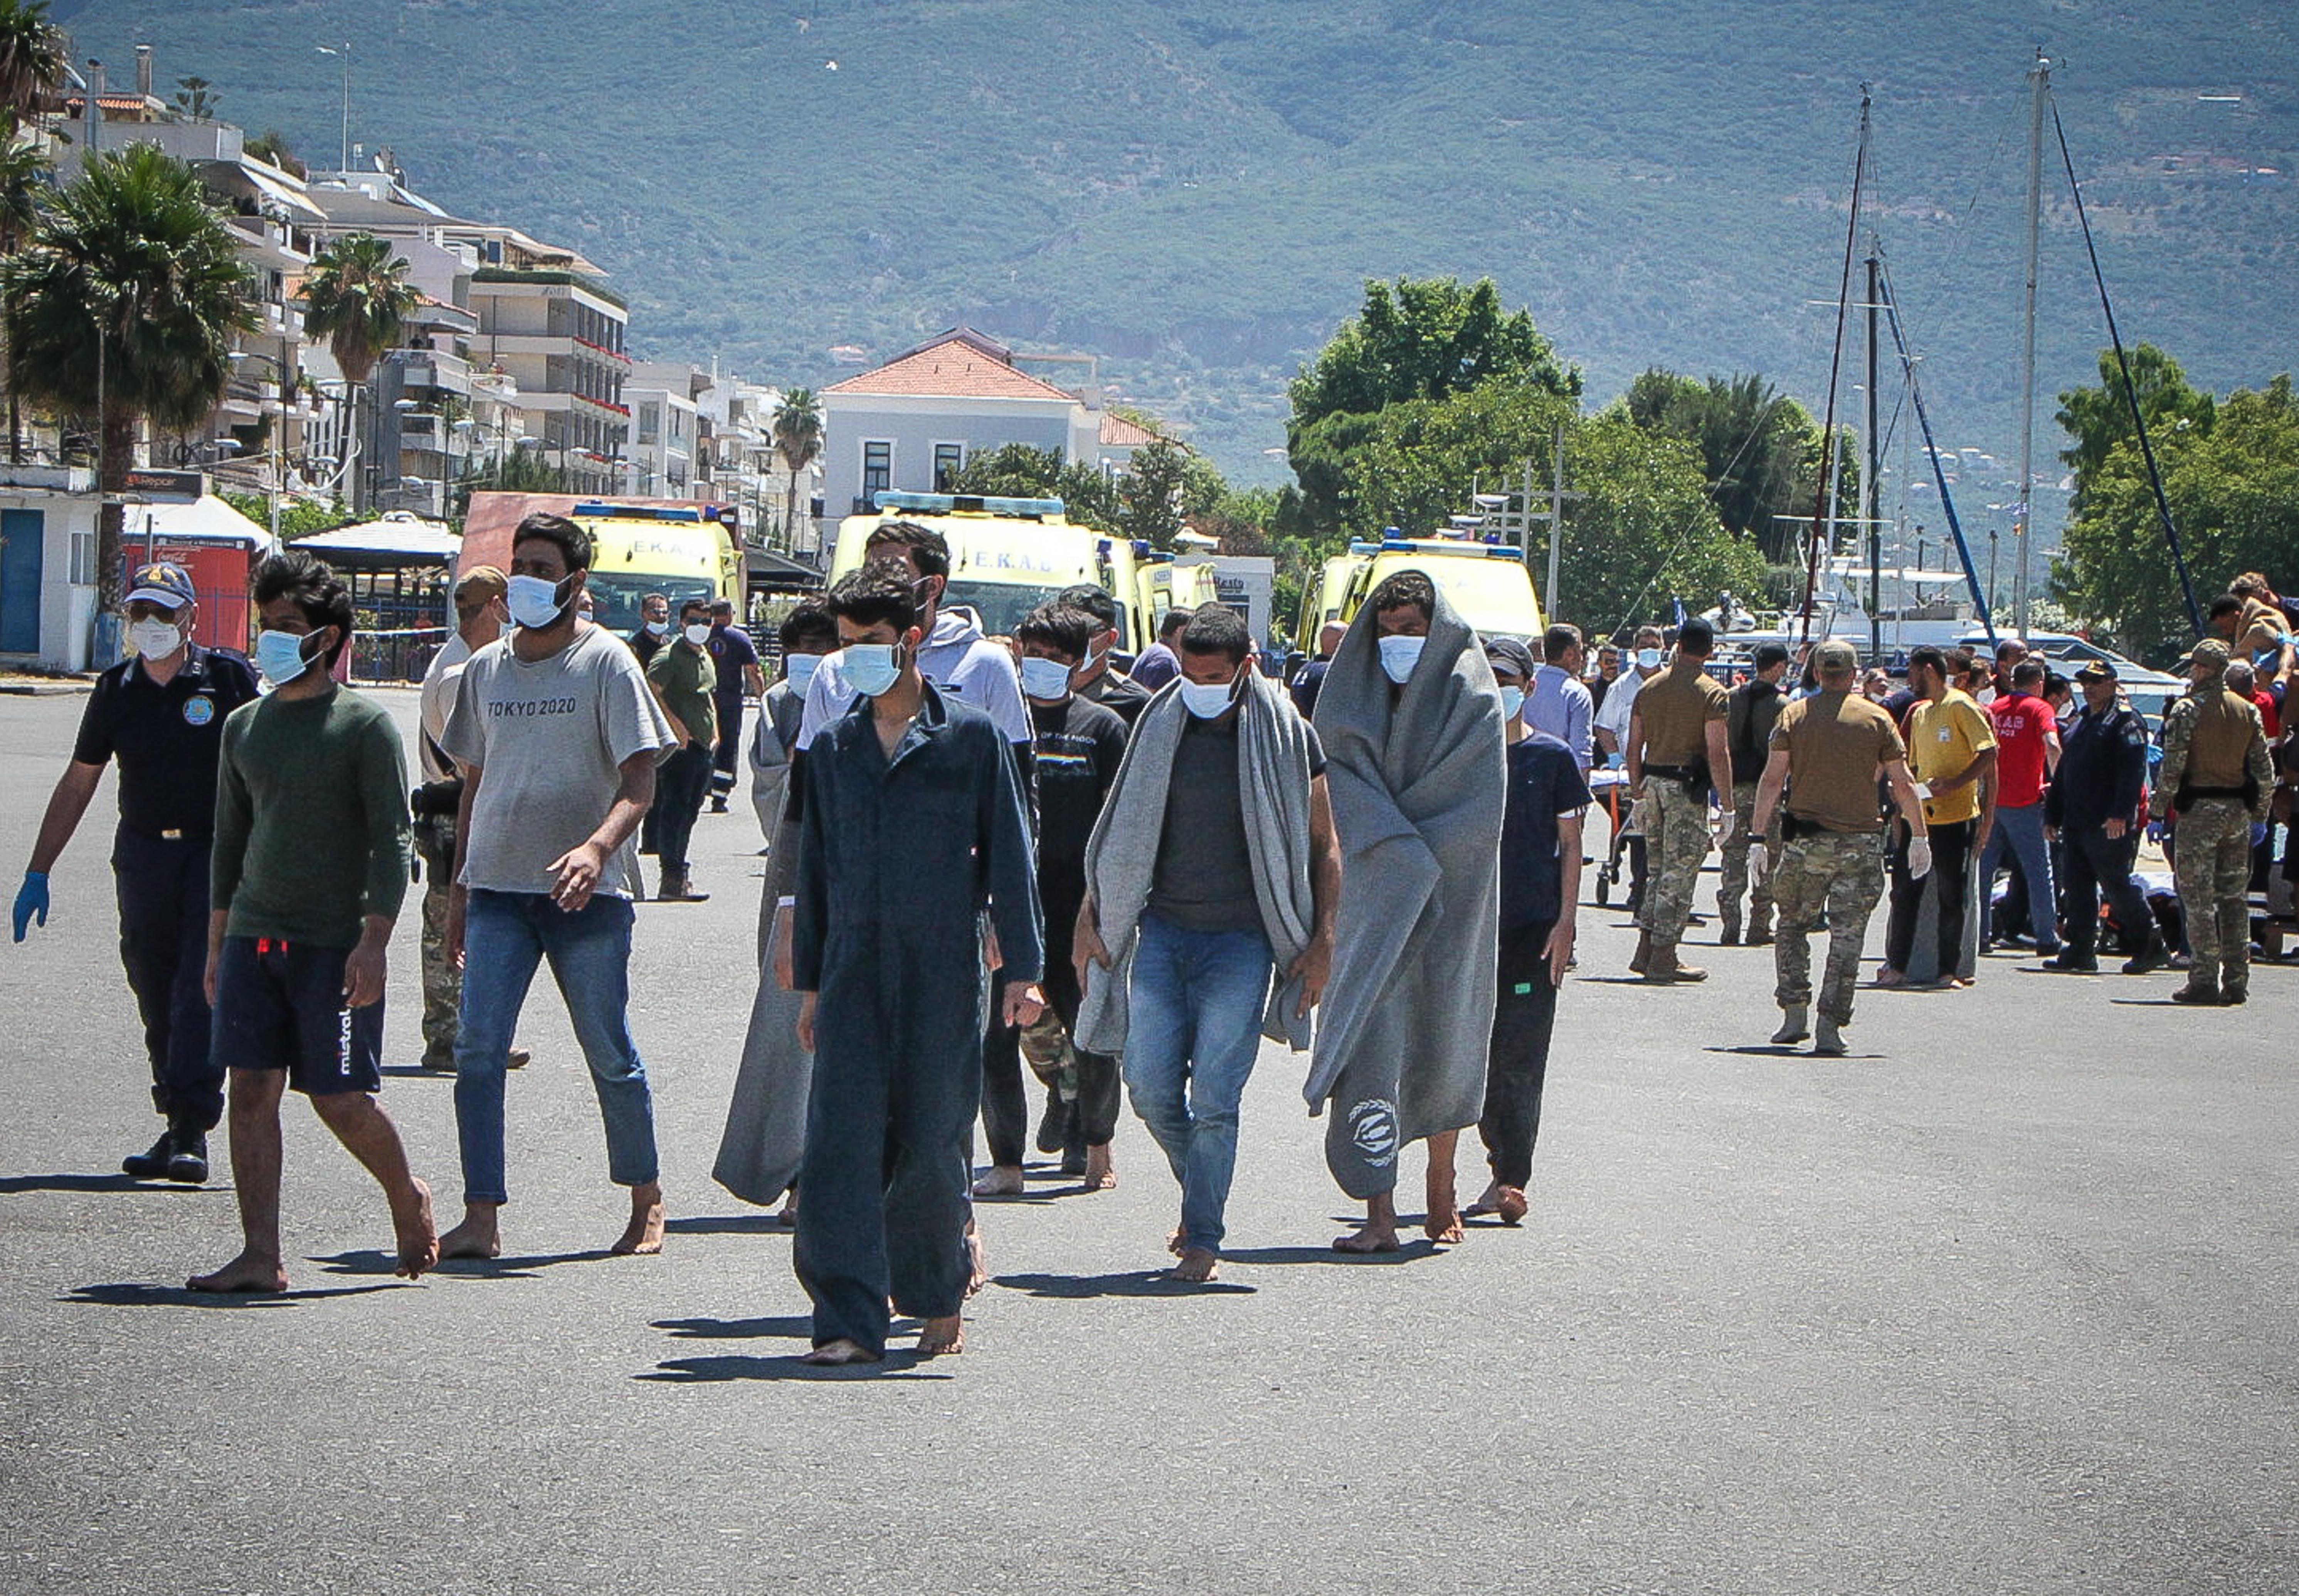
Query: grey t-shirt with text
point(550, 737)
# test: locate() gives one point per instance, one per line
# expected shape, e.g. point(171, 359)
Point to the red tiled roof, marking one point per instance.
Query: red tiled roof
point(1118, 433)
point(955, 367)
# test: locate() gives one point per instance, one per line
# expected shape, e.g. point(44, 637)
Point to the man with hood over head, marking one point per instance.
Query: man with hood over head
point(1411, 724)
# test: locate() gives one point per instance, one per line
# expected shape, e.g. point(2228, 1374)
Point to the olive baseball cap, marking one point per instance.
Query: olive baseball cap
point(1835, 655)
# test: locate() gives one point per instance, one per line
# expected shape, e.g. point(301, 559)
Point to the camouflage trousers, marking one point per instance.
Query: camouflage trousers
point(1675, 820)
point(1735, 885)
point(2212, 863)
point(442, 983)
point(1842, 874)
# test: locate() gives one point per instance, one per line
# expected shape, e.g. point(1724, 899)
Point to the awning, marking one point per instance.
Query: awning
point(208, 521)
point(273, 189)
point(398, 535)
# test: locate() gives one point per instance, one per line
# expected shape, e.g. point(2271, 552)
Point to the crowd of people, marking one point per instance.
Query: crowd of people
point(984, 852)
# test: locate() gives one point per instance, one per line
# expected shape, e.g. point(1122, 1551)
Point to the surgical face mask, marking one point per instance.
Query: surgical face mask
point(1044, 678)
point(534, 603)
point(155, 639)
point(1648, 659)
point(1512, 701)
point(697, 632)
point(1398, 655)
point(279, 656)
point(800, 668)
point(1208, 700)
point(872, 669)
point(658, 628)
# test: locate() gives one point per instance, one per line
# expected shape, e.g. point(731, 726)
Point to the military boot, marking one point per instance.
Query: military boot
point(189, 1165)
point(152, 1164)
point(2234, 985)
point(1827, 1042)
point(1795, 1027)
point(1663, 967)
point(2203, 990)
point(1730, 936)
point(2156, 955)
point(1643, 954)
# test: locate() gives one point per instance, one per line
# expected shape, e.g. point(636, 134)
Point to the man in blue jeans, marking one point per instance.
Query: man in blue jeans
point(2028, 753)
point(557, 735)
point(1213, 868)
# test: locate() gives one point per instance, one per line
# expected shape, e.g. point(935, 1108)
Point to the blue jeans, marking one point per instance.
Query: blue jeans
point(2020, 832)
point(505, 936)
point(1196, 999)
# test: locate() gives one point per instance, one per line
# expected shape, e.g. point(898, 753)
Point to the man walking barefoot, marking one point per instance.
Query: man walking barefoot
point(308, 872)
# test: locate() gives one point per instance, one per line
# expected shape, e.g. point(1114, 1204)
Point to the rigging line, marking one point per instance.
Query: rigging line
point(1822, 505)
point(2130, 390)
point(1932, 446)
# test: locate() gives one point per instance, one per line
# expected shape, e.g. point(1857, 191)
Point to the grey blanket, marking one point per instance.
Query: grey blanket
point(1273, 771)
point(1418, 787)
point(765, 1137)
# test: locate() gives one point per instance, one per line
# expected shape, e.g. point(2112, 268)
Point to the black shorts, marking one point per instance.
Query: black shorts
point(281, 1007)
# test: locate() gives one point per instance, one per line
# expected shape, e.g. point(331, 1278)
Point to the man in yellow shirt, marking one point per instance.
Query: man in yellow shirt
point(1951, 749)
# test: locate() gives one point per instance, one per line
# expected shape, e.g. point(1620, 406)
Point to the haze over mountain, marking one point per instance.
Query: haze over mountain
point(1195, 190)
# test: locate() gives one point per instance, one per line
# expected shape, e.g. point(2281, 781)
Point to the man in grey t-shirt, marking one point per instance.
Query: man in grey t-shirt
point(557, 736)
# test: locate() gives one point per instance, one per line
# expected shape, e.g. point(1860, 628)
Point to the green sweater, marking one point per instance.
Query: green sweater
point(311, 826)
point(686, 678)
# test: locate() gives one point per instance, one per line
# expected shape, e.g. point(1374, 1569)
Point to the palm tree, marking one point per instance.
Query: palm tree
point(357, 297)
point(32, 52)
point(798, 439)
point(25, 175)
point(123, 306)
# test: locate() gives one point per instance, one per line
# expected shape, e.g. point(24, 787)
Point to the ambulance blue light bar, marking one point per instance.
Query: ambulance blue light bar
point(601, 509)
point(1437, 546)
point(945, 504)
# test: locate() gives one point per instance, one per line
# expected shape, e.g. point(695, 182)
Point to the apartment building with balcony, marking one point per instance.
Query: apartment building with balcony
point(659, 461)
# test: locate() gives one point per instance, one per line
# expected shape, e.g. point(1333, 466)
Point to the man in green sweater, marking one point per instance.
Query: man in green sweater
point(309, 871)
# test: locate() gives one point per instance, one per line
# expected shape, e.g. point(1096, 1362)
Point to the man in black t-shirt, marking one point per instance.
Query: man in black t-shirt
point(1095, 678)
point(1076, 751)
point(160, 713)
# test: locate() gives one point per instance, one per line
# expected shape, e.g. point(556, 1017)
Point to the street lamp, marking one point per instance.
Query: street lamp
point(345, 54)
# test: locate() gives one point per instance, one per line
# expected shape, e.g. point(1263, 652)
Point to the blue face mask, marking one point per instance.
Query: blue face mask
point(1512, 701)
point(534, 603)
point(1045, 678)
point(872, 669)
point(800, 668)
point(1208, 700)
point(279, 656)
point(1398, 655)
point(1648, 659)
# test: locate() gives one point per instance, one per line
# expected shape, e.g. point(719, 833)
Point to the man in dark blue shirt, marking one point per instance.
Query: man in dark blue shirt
point(736, 658)
point(1540, 881)
point(2091, 807)
point(160, 713)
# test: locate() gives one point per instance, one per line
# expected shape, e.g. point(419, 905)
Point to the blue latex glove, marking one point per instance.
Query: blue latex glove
point(2258, 836)
point(31, 899)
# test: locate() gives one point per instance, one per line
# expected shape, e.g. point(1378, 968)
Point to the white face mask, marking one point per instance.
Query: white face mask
point(871, 669)
point(1044, 678)
point(698, 633)
point(534, 603)
point(1400, 655)
point(155, 639)
point(658, 628)
point(1208, 700)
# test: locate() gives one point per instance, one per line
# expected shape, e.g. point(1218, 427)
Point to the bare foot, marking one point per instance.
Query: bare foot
point(1004, 1181)
point(1372, 1236)
point(789, 1214)
point(977, 1262)
point(244, 1273)
point(1197, 1266)
point(1512, 1206)
point(643, 1236)
point(1444, 1229)
point(419, 1236)
point(1173, 1242)
point(942, 1337)
point(1890, 977)
point(1101, 1172)
point(477, 1236)
point(1489, 1202)
point(838, 1354)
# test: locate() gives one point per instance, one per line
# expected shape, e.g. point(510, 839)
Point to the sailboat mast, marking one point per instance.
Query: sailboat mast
point(1869, 497)
point(2039, 83)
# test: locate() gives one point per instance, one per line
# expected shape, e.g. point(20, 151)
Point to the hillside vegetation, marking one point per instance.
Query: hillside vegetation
point(1197, 191)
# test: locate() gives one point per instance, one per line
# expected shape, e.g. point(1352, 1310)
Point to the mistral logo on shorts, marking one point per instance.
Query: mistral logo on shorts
point(342, 1037)
point(526, 708)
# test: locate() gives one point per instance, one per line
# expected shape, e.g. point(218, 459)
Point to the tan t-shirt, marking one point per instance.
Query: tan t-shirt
point(1944, 738)
point(1835, 741)
point(1676, 708)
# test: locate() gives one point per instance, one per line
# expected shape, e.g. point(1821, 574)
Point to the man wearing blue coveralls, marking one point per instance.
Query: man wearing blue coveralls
point(912, 826)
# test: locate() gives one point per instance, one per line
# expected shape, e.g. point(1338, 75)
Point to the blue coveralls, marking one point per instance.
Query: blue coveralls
point(897, 860)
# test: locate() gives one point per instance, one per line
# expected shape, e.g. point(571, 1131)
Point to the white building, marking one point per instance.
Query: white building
point(47, 565)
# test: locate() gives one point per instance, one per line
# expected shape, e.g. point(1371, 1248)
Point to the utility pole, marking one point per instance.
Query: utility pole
point(2039, 86)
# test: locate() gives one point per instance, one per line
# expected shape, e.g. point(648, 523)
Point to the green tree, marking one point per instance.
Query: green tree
point(32, 59)
point(357, 298)
point(193, 100)
point(2233, 483)
point(1414, 464)
point(131, 289)
point(298, 518)
point(1018, 471)
point(2098, 419)
point(1644, 531)
point(1762, 450)
point(797, 428)
point(271, 146)
point(1150, 494)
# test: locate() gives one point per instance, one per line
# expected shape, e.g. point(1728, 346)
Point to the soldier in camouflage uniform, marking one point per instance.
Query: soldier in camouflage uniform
point(1827, 751)
point(2217, 778)
point(1676, 756)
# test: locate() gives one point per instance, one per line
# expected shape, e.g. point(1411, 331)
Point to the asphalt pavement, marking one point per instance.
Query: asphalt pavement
point(2005, 1302)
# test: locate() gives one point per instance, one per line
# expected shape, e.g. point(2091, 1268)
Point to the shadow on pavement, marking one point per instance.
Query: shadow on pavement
point(705, 1371)
point(12, 1184)
point(728, 1224)
point(417, 1072)
point(1410, 1251)
point(142, 1293)
point(796, 1325)
point(1133, 1283)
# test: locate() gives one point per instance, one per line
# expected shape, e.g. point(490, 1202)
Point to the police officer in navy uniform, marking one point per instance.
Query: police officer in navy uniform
point(160, 713)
